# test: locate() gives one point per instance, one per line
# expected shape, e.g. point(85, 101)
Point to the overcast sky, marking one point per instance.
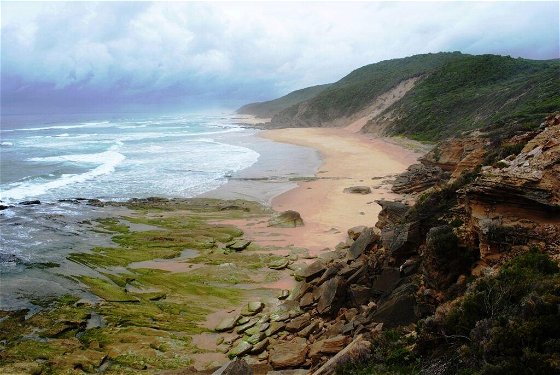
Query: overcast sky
point(111, 56)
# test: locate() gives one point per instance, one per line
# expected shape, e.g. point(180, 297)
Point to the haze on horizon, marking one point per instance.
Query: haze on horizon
point(142, 56)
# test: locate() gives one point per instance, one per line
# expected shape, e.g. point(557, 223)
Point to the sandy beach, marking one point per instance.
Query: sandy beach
point(348, 159)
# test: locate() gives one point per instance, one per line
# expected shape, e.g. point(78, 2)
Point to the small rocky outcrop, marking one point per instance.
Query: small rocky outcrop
point(419, 177)
point(391, 213)
point(286, 219)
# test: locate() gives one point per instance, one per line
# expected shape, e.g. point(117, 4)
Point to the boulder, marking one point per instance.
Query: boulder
point(236, 367)
point(358, 190)
point(401, 240)
point(279, 264)
point(260, 346)
point(238, 245)
point(242, 347)
point(363, 243)
point(298, 323)
point(387, 280)
point(329, 346)
point(357, 351)
point(360, 294)
point(399, 309)
point(227, 324)
point(288, 354)
point(274, 328)
point(307, 300)
point(391, 213)
point(312, 271)
point(355, 232)
point(286, 219)
point(311, 328)
point(331, 295)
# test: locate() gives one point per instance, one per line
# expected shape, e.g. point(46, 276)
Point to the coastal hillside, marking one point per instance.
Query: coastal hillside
point(272, 107)
point(450, 93)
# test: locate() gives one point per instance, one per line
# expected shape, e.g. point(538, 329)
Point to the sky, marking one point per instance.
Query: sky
point(156, 56)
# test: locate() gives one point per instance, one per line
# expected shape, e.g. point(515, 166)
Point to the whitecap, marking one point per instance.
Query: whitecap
point(6, 144)
point(108, 159)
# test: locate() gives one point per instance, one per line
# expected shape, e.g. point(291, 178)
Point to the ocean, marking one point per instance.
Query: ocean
point(56, 160)
point(176, 156)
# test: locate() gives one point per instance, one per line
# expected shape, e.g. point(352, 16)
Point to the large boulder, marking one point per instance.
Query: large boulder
point(391, 213)
point(401, 240)
point(363, 243)
point(286, 219)
point(289, 353)
point(331, 295)
point(311, 271)
point(399, 308)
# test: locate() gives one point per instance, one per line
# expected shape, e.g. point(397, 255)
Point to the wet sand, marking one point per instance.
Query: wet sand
point(348, 159)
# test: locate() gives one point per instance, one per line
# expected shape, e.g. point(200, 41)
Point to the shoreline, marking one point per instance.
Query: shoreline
point(169, 277)
point(347, 159)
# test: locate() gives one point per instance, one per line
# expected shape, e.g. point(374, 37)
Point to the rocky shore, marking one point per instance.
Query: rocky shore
point(447, 279)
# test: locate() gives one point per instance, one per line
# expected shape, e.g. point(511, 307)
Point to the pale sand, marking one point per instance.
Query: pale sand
point(349, 159)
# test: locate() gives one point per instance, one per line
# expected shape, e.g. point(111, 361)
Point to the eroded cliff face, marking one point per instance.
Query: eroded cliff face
point(516, 203)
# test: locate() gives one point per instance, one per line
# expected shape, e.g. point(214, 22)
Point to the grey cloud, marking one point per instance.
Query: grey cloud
point(179, 55)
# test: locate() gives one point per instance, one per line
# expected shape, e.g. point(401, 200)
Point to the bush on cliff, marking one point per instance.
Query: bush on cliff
point(509, 323)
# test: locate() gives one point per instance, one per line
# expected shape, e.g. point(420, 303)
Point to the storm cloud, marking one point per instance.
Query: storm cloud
point(171, 56)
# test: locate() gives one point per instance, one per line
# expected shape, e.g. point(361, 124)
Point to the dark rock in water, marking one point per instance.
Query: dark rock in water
point(96, 202)
point(3, 207)
point(287, 219)
point(312, 271)
point(391, 213)
point(238, 245)
point(399, 309)
point(401, 240)
point(30, 203)
point(236, 367)
point(358, 190)
point(386, 281)
point(331, 295)
point(289, 354)
point(419, 177)
point(363, 243)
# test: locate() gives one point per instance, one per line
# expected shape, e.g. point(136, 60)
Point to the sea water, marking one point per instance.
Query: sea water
point(112, 158)
point(174, 156)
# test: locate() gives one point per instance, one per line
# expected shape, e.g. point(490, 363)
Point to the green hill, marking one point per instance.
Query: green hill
point(455, 92)
point(270, 108)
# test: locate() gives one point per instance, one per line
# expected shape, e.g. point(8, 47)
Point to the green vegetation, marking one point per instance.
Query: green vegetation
point(392, 354)
point(455, 93)
point(270, 108)
point(507, 323)
point(476, 91)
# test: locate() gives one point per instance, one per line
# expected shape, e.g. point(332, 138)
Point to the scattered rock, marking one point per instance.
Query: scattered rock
point(364, 241)
point(286, 219)
point(236, 367)
point(284, 294)
point(239, 245)
point(242, 347)
point(401, 240)
point(274, 328)
point(312, 271)
point(358, 190)
point(331, 295)
point(260, 346)
point(255, 307)
point(227, 324)
point(288, 354)
point(355, 232)
point(329, 346)
point(279, 264)
point(357, 351)
point(419, 177)
point(298, 323)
